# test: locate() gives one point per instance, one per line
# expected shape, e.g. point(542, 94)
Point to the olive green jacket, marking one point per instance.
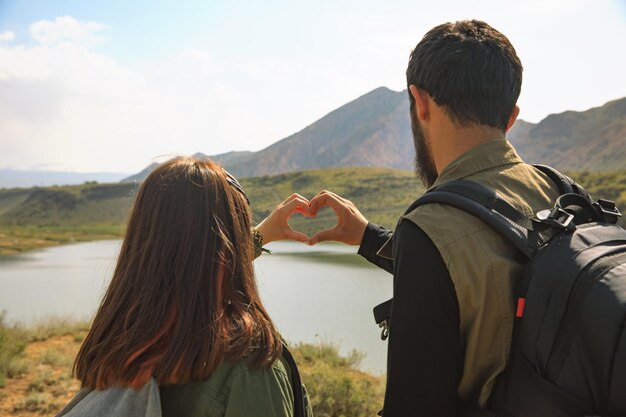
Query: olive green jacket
point(482, 264)
point(234, 390)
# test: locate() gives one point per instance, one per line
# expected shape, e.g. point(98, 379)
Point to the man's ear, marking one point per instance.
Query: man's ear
point(513, 117)
point(422, 102)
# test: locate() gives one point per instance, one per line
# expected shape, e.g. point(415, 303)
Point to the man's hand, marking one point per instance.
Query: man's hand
point(351, 223)
point(276, 225)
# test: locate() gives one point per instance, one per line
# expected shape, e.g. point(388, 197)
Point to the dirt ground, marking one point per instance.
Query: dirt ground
point(41, 383)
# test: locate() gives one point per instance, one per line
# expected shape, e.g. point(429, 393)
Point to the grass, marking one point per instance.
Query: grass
point(336, 387)
point(12, 343)
point(54, 357)
point(17, 368)
point(57, 326)
point(381, 195)
point(39, 402)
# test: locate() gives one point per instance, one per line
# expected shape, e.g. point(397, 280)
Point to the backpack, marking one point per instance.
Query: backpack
point(568, 349)
point(146, 402)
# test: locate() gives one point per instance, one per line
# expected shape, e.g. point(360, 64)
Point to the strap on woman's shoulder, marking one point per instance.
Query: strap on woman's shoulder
point(296, 384)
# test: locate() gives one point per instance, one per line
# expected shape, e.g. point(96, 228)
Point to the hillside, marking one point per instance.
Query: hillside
point(374, 130)
point(62, 214)
point(591, 140)
point(89, 203)
point(37, 217)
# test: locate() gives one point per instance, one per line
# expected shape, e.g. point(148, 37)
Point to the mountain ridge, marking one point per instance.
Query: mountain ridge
point(374, 130)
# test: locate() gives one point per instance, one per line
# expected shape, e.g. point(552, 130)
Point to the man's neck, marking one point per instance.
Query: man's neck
point(451, 142)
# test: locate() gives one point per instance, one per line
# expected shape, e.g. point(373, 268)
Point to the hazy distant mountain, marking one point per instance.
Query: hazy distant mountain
point(10, 178)
point(374, 130)
point(226, 159)
point(140, 176)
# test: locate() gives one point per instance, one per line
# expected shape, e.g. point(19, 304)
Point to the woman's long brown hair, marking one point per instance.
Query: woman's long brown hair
point(183, 297)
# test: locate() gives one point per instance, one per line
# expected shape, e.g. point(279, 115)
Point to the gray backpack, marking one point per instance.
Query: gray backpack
point(116, 402)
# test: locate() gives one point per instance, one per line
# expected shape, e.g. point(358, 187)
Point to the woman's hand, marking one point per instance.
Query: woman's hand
point(276, 225)
point(351, 224)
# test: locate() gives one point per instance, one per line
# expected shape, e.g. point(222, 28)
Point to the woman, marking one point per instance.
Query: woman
point(183, 305)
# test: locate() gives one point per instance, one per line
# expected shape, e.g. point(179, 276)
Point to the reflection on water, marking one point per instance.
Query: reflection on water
point(314, 294)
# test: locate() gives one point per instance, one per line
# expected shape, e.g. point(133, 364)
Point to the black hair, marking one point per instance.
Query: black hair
point(470, 69)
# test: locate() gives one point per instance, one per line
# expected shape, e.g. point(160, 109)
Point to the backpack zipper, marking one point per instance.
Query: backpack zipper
point(585, 280)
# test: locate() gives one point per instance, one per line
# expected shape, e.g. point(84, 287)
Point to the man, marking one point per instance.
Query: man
point(452, 314)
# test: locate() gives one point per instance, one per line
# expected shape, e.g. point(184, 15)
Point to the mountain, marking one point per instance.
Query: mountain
point(590, 140)
point(10, 178)
point(375, 130)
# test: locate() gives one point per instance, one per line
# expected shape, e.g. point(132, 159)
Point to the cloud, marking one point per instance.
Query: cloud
point(65, 104)
point(67, 29)
point(192, 64)
point(7, 36)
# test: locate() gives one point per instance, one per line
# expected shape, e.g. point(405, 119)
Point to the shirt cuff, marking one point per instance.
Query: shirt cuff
point(374, 238)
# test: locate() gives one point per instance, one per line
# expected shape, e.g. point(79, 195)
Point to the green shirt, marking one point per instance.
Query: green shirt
point(234, 390)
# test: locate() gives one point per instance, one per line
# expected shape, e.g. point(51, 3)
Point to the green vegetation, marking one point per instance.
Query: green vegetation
point(12, 342)
point(39, 217)
point(336, 387)
point(381, 194)
point(607, 185)
point(20, 238)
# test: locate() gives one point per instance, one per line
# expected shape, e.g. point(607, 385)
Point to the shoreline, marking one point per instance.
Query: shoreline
point(15, 240)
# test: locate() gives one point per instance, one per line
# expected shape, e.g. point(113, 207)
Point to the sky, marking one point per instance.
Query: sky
point(112, 86)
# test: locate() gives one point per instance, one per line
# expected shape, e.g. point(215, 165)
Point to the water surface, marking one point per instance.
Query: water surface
point(319, 294)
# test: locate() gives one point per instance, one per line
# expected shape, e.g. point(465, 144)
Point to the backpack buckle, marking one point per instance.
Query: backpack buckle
point(557, 217)
point(608, 210)
point(384, 333)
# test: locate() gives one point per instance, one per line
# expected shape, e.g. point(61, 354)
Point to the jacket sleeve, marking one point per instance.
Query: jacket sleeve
point(376, 246)
point(425, 357)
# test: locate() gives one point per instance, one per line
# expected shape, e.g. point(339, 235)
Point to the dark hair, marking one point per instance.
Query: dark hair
point(183, 297)
point(470, 69)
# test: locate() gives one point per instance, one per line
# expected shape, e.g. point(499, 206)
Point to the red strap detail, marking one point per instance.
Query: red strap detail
point(520, 307)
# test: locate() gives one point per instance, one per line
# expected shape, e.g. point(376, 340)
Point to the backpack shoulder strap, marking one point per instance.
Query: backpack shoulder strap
point(565, 184)
point(487, 205)
point(296, 384)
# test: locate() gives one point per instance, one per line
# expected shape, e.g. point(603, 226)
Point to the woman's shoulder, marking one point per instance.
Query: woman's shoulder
point(236, 387)
point(260, 391)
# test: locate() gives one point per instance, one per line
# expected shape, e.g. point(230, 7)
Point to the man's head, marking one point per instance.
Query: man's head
point(471, 71)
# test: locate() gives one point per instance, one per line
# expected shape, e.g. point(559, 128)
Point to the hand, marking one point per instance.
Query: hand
point(276, 225)
point(351, 223)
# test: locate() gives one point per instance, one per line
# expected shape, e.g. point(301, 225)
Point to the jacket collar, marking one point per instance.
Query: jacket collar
point(498, 152)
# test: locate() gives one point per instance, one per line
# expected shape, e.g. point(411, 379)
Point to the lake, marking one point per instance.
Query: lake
point(320, 294)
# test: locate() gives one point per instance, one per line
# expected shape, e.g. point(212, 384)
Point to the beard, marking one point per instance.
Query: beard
point(424, 162)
